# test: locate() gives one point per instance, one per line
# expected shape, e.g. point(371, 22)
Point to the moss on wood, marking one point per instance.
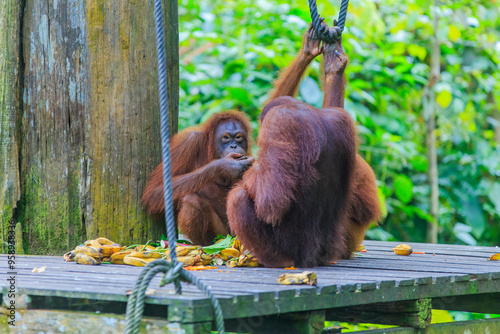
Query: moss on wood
point(10, 63)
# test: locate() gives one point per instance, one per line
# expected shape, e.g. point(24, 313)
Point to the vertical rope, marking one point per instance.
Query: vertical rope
point(173, 271)
point(165, 131)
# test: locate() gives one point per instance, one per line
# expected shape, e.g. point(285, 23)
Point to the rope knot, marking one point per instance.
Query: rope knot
point(172, 275)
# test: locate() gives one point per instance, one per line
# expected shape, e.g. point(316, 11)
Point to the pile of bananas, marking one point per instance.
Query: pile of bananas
point(234, 256)
point(102, 250)
point(93, 252)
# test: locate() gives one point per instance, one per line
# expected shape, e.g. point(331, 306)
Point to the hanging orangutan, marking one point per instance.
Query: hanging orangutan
point(310, 197)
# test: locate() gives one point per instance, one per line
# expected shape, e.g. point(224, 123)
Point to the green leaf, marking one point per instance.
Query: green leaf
point(443, 98)
point(454, 33)
point(422, 214)
point(216, 248)
point(419, 163)
point(239, 94)
point(417, 51)
point(403, 188)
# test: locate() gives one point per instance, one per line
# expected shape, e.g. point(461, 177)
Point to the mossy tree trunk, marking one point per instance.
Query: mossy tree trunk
point(10, 88)
point(90, 125)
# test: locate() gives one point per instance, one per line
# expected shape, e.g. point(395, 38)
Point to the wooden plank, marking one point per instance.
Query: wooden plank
point(434, 260)
point(483, 303)
point(460, 327)
point(414, 313)
point(471, 256)
point(408, 266)
point(392, 244)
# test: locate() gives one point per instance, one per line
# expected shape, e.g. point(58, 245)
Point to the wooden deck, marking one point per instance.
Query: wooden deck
point(451, 277)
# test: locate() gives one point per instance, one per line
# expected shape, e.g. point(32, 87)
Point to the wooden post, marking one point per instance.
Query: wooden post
point(10, 93)
point(90, 130)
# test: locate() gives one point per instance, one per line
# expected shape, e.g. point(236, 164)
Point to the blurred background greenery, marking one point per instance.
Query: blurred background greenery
point(231, 51)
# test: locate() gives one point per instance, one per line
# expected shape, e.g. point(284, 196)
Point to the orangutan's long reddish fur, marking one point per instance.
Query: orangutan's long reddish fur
point(201, 218)
point(311, 197)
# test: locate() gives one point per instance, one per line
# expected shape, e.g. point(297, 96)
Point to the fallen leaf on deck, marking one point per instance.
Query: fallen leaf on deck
point(198, 268)
point(495, 257)
point(306, 277)
point(39, 270)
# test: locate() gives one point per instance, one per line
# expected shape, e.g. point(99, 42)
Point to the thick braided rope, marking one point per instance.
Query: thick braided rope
point(135, 305)
point(326, 34)
point(172, 270)
point(165, 131)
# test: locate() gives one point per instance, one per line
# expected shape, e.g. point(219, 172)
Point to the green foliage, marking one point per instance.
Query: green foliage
point(217, 247)
point(231, 51)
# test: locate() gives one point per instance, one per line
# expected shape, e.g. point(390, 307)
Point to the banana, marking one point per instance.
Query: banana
point(117, 258)
point(186, 260)
point(104, 241)
point(184, 251)
point(306, 277)
point(135, 261)
point(90, 251)
point(93, 243)
point(229, 253)
point(206, 259)
point(140, 248)
point(195, 253)
point(146, 255)
point(248, 260)
point(82, 258)
point(69, 256)
point(232, 263)
point(237, 245)
point(402, 249)
point(108, 250)
point(106, 259)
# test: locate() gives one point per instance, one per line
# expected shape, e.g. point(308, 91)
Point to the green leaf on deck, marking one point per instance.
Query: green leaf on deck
point(215, 248)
